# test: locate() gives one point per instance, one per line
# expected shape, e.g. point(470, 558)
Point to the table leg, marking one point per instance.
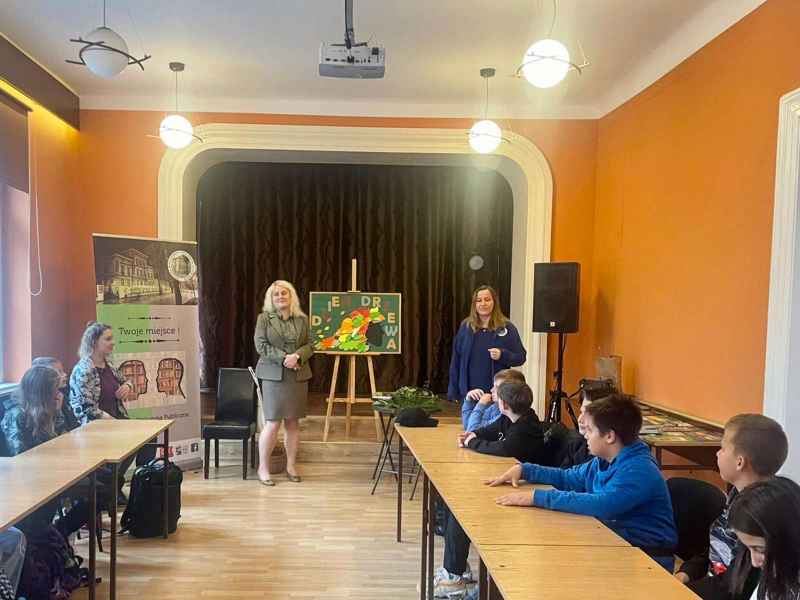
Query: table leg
point(431, 538)
point(165, 497)
point(389, 451)
point(483, 581)
point(387, 454)
point(424, 540)
point(383, 445)
point(399, 486)
point(92, 533)
point(112, 580)
point(494, 593)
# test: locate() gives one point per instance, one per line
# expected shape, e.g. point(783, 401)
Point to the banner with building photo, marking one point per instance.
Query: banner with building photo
point(146, 290)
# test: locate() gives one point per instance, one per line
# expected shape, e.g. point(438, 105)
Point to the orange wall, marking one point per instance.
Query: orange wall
point(118, 175)
point(37, 325)
point(683, 220)
point(54, 178)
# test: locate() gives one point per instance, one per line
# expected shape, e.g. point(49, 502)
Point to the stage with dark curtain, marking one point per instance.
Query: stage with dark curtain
point(413, 230)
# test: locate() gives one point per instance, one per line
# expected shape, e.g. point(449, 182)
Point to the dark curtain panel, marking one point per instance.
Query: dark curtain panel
point(413, 230)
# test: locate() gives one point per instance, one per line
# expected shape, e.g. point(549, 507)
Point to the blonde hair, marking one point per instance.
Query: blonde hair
point(294, 302)
point(91, 334)
point(496, 320)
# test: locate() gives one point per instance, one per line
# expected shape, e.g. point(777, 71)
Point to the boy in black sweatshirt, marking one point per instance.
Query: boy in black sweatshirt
point(518, 434)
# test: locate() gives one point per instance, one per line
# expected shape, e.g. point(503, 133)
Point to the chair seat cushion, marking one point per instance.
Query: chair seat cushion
point(228, 430)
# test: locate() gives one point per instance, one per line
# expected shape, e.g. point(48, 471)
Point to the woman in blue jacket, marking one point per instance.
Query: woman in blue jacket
point(486, 343)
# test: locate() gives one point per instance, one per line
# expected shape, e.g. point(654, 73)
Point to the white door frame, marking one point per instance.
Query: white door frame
point(781, 380)
point(177, 188)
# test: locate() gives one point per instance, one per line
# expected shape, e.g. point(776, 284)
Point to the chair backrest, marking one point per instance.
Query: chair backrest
point(236, 395)
point(565, 447)
point(695, 505)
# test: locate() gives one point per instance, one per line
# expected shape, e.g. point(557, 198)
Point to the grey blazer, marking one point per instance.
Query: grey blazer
point(272, 347)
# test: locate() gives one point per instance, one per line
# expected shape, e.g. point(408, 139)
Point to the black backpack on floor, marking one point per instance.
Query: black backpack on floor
point(143, 516)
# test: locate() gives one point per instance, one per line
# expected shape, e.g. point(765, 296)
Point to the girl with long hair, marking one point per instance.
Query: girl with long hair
point(766, 518)
point(31, 420)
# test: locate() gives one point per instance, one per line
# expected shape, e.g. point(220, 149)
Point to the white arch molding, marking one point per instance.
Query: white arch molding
point(781, 379)
point(176, 195)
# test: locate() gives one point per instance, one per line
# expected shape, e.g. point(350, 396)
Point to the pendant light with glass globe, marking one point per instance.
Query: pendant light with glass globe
point(104, 52)
point(175, 130)
point(485, 135)
point(547, 61)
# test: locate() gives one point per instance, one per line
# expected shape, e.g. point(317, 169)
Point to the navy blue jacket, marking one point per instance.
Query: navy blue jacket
point(512, 354)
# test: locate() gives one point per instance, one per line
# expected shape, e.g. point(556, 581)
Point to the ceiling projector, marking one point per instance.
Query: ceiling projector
point(351, 60)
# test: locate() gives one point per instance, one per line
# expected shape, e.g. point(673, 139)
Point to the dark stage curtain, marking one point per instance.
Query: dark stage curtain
point(413, 230)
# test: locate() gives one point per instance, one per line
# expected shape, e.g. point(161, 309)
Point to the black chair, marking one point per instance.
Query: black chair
point(695, 505)
point(234, 417)
point(564, 447)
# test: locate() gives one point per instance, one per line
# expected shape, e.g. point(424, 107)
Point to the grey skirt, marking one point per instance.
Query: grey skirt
point(284, 399)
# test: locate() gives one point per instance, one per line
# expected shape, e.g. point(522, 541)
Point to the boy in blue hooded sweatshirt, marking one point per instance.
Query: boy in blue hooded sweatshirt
point(622, 485)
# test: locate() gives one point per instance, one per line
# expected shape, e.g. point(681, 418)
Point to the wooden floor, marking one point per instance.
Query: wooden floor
point(323, 538)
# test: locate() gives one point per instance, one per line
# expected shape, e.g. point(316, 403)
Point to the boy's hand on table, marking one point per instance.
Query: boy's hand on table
point(464, 438)
point(682, 577)
point(512, 476)
point(516, 499)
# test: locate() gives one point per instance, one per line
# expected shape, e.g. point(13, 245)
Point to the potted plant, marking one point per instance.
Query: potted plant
point(408, 397)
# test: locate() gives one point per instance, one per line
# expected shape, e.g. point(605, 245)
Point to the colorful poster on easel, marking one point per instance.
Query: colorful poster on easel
point(355, 322)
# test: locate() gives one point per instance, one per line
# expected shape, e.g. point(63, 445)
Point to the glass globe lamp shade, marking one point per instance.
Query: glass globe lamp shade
point(485, 136)
point(546, 63)
point(176, 132)
point(101, 61)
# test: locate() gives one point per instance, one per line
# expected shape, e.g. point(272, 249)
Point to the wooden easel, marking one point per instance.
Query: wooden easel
point(351, 397)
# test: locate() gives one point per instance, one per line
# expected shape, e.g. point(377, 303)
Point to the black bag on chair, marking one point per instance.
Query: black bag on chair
point(143, 516)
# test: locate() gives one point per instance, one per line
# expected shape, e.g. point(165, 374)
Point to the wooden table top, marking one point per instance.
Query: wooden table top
point(33, 478)
point(440, 445)
point(485, 522)
point(116, 439)
point(31, 482)
point(557, 572)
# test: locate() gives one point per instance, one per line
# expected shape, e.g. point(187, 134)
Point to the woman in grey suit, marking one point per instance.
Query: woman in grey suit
point(284, 347)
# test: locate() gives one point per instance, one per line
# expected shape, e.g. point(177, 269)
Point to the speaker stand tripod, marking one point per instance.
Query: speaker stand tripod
point(558, 394)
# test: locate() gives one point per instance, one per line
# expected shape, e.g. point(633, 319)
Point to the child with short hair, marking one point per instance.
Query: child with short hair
point(753, 449)
point(622, 485)
point(517, 433)
point(486, 411)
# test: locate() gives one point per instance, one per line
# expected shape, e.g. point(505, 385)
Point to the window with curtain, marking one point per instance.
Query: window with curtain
point(413, 230)
point(13, 174)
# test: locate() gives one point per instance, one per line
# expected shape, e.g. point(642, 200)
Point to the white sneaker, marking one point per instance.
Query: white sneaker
point(467, 574)
point(447, 585)
point(442, 573)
